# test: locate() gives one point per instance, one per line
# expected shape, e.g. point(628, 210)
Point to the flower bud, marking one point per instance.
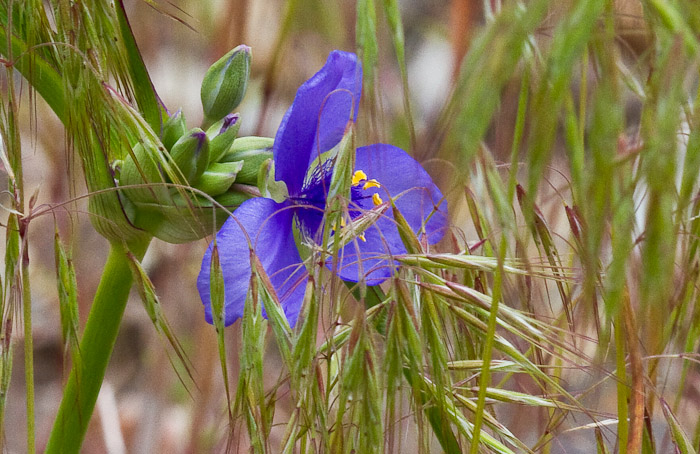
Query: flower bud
point(219, 177)
point(253, 151)
point(191, 155)
point(173, 129)
point(221, 136)
point(142, 167)
point(225, 83)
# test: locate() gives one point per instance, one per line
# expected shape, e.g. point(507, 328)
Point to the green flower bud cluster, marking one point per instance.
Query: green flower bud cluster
point(184, 189)
point(184, 186)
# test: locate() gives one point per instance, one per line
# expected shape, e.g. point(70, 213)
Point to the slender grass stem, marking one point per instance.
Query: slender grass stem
point(498, 275)
point(96, 348)
point(28, 353)
point(622, 386)
point(488, 348)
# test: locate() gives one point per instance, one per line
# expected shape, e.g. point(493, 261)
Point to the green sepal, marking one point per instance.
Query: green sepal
point(191, 155)
point(222, 135)
point(225, 83)
point(186, 216)
point(269, 187)
point(143, 167)
point(253, 151)
point(247, 146)
point(174, 128)
point(218, 177)
point(232, 199)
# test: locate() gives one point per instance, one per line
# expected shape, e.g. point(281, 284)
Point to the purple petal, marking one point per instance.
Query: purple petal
point(417, 198)
point(317, 119)
point(368, 260)
point(269, 226)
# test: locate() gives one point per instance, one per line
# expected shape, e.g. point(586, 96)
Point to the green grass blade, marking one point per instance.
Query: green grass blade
point(144, 90)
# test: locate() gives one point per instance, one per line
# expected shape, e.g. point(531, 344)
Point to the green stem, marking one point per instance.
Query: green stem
point(96, 348)
point(28, 354)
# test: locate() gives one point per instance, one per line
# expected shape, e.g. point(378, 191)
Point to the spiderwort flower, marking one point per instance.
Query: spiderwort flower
point(315, 123)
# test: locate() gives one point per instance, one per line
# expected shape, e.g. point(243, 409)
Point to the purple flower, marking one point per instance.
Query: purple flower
point(315, 123)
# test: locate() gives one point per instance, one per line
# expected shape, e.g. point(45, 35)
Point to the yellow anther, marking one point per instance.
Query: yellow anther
point(342, 224)
point(371, 184)
point(362, 237)
point(376, 199)
point(358, 176)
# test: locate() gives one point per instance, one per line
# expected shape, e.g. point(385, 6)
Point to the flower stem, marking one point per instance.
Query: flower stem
point(96, 347)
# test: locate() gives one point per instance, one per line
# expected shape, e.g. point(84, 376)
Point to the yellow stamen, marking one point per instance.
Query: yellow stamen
point(371, 184)
point(358, 176)
point(342, 224)
point(376, 199)
point(362, 237)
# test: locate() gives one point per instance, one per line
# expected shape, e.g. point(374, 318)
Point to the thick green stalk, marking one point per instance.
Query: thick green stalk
point(96, 347)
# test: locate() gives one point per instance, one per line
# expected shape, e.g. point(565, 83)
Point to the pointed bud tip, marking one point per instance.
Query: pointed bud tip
point(229, 120)
point(199, 135)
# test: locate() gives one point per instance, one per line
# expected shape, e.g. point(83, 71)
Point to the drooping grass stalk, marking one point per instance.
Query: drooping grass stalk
point(96, 347)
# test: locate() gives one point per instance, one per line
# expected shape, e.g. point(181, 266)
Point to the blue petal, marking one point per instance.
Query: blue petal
point(416, 197)
point(269, 226)
point(318, 117)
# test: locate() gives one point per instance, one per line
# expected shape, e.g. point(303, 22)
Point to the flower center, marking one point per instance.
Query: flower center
point(361, 183)
point(360, 178)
